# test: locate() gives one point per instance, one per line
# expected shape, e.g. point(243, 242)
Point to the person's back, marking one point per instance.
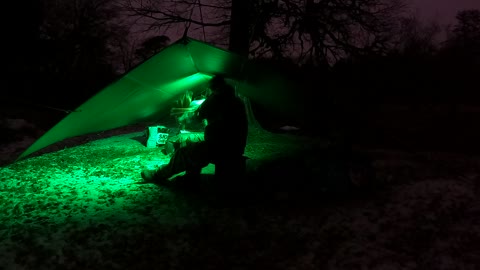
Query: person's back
point(227, 123)
point(225, 138)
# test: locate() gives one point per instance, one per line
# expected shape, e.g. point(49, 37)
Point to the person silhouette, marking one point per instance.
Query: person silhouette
point(225, 138)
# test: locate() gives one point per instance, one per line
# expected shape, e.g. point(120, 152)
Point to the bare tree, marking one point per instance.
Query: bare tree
point(466, 32)
point(327, 30)
point(177, 17)
point(79, 44)
point(152, 46)
point(125, 49)
point(416, 38)
point(311, 30)
point(78, 34)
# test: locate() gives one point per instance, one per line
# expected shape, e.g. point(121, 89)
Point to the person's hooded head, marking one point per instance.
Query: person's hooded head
point(218, 85)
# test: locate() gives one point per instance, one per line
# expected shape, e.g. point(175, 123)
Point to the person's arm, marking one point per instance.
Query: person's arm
point(204, 111)
point(193, 113)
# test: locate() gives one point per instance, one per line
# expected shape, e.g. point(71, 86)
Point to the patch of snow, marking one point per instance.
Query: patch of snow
point(289, 128)
point(10, 151)
point(17, 124)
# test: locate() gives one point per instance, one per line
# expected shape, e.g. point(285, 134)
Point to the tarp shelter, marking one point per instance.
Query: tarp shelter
point(148, 91)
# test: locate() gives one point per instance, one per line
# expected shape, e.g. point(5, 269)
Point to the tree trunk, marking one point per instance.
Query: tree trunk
point(240, 27)
point(240, 41)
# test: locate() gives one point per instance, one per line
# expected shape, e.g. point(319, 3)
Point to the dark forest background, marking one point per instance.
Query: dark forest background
point(414, 86)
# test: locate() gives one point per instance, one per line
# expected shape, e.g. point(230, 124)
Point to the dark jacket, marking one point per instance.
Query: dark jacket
point(227, 123)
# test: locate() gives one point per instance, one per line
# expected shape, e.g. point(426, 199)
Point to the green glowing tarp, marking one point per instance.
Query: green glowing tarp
point(148, 91)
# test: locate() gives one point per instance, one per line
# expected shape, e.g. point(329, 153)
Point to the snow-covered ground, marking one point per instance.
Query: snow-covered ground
point(17, 134)
point(81, 207)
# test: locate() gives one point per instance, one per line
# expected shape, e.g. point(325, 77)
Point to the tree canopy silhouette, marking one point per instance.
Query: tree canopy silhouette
point(319, 31)
point(151, 46)
point(77, 44)
point(465, 37)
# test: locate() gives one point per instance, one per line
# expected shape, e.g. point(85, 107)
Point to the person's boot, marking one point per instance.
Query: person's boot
point(154, 176)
